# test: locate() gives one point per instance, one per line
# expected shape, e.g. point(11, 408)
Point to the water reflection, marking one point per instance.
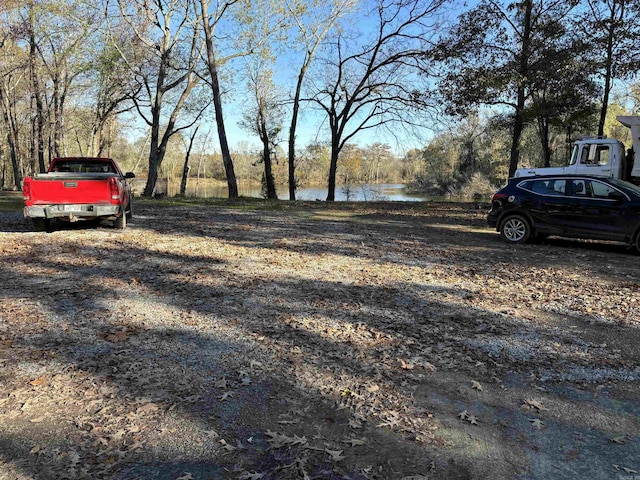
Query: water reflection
point(207, 188)
point(354, 193)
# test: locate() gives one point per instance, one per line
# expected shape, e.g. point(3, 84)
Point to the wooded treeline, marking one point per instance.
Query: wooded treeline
point(492, 86)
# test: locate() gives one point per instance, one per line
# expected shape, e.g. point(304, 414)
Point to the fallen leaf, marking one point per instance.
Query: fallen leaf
point(476, 386)
point(336, 455)
point(221, 383)
point(620, 439)
point(117, 337)
point(405, 365)
point(536, 423)
point(354, 442)
point(355, 423)
point(251, 476)
point(226, 446)
point(186, 476)
point(279, 440)
point(463, 415)
point(41, 380)
point(535, 404)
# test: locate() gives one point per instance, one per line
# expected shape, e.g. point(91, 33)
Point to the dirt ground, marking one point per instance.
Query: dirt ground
point(250, 340)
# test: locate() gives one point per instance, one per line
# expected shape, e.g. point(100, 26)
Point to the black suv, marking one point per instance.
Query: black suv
point(575, 206)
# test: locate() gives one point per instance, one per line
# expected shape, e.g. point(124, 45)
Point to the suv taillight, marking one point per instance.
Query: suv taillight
point(113, 187)
point(498, 196)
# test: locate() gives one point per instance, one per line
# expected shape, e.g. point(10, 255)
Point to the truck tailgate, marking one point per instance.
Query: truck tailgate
point(63, 188)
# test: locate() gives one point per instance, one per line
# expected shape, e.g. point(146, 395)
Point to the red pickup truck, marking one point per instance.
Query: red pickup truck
point(76, 189)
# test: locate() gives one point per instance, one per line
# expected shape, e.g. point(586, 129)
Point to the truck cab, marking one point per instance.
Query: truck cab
point(600, 156)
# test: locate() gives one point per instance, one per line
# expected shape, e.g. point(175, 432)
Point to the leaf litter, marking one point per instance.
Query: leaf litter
point(239, 341)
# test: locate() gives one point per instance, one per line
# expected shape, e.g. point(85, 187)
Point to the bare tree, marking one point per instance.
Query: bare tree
point(115, 90)
point(164, 61)
point(373, 84)
point(12, 64)
point(210, 20)
point(313, 20)
point(249, 28)
point(62, 49)
point(264, 119)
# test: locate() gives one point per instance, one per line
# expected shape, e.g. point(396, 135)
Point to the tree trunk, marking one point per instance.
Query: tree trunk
point(154, 158)
point(38, 121)
point(185, 167)
point(608, 75)
point(543, 127)
point(12, 138)
point(227, 161)
point(333, 168)
point(269, 182)
point(518, 123)
point(232, 183)
point(292, 136)
point(152, 179)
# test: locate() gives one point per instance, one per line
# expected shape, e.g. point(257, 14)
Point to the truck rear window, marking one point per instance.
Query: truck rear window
point(76, 166)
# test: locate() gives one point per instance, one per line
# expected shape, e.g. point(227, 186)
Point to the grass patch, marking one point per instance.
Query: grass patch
point(11, 201)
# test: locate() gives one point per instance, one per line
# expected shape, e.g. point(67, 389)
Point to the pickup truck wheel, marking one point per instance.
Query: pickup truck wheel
point(121, 222)
point(41, 224)
point(515, 229)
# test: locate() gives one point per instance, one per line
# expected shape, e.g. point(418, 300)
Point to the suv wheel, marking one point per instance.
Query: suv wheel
point(515, 229)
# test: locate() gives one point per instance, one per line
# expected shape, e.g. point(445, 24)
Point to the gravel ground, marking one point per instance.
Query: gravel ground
point(256, 340)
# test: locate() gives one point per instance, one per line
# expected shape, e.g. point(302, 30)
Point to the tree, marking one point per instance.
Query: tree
point(494, 54)
point(611, 28)
point(562, 89)
point(265, 120)
point(313, 20)
point(12, 79)
point(372, 84)
point(115, 89)
point(164, 60)
point(251, 26)
point(38, 121)
point(185, 166)
point(210, 20)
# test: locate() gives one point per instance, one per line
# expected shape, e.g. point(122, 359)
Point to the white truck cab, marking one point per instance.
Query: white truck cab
point(599, 156)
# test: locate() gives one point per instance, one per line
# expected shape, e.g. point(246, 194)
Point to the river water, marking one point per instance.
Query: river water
point(357, 193)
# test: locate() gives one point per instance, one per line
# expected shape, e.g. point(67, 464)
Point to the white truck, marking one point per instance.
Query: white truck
point(603, 157)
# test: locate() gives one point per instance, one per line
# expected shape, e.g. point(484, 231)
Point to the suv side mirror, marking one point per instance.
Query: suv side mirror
point(129, 175)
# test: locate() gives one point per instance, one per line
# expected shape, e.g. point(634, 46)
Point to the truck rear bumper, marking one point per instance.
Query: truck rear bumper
point(71, 212)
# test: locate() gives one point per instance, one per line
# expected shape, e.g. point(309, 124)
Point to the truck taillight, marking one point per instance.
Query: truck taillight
point(26, 189)
point(113, 187)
